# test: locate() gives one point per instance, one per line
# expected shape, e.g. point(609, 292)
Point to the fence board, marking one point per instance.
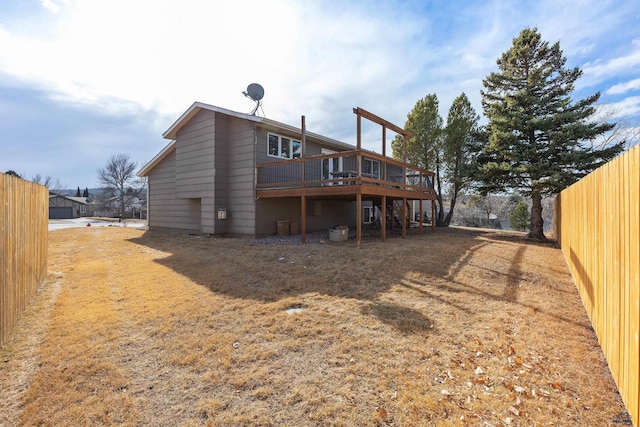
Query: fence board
point(598, 227)
point(24, 213)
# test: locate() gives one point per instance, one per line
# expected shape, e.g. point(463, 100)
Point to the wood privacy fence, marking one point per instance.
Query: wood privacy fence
point(597, 225)
point(24, 214)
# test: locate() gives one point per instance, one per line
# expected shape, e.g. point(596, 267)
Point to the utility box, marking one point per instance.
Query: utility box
point(339, 233)
point(282, 228)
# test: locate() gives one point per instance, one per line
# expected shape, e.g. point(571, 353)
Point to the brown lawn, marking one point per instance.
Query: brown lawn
point(453, 328)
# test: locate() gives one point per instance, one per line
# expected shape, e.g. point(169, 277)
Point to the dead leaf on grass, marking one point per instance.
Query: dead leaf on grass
point(557, 386)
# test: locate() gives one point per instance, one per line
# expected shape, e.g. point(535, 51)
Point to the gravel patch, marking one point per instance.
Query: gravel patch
point(315, 237)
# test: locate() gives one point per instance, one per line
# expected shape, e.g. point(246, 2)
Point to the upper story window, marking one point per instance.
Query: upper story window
point(283, 147)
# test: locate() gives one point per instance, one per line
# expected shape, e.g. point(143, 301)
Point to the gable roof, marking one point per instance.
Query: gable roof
point(193, 110)
point(157, 159)
point(81, 200)
point(172, 132)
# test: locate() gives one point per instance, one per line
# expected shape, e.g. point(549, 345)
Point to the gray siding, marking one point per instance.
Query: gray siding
point(219, 199)
point(240, 187)
point(195, 154)
point(166, 210)
point(331, 213)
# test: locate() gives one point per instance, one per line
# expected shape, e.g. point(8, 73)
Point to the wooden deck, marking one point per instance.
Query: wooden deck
point(357, 175)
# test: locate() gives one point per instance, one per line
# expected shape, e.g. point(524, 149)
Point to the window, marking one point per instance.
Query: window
point(367, 214)
point(83, 209)
point(370, 168)
point(283, 147)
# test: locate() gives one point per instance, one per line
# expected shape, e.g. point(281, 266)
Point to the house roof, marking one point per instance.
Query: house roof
point(172, 132)
point(193, 110)
point(81, 200)
point(157, 159)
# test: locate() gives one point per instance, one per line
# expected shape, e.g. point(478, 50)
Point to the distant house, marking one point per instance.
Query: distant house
point(229, 173)
point(64, 207)
point(133, 206)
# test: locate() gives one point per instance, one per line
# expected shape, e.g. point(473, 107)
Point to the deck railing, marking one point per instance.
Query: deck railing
point(344, 168)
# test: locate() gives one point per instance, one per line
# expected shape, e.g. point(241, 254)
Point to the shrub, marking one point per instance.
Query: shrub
point(520, 217)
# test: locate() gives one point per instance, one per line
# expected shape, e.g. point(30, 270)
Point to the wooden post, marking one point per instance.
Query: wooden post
point(303, 219)
point(404, 148)
point(420, 204)
point(384, 141)
point(359, 147)
point(404, 159)
point(383, 223)
point(383, 171)
point(420, 216)
point(302, 149)
point(359, 218)
point(404, 217)
point(358, 129)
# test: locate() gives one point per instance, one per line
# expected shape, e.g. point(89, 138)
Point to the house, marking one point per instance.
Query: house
point(63, 207)
point(134, 206)
point(233, 174)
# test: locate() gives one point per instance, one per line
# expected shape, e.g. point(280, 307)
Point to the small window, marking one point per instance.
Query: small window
point(83, 209)
point(273, 145)
point(283, 147)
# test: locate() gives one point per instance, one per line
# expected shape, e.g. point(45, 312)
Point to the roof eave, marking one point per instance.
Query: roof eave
point(157, 159)
point(171, 133)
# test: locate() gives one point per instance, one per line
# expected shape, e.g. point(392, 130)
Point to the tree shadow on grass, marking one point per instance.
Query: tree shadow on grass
point(426, 264)
point(405, 320)
point(241, 268)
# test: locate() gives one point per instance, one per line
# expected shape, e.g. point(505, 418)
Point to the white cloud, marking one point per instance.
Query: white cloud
point(612, 67)
point(626, 107)
point(621, 88)
point(50, 5)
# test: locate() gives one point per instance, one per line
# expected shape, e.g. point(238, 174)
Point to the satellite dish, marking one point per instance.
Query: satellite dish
point(255, 92)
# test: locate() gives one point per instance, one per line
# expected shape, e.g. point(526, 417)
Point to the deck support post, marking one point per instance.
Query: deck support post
point(420, 216)
point(383, 220)
point(303, 219)
point(404, 217)
point(359, 218)
point(303, 128)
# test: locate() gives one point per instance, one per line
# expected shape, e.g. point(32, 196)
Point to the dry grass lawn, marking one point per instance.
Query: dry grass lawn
point(453, 328)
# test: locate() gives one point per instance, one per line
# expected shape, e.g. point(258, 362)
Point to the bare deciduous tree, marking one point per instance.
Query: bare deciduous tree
point(53, 184)
point(626, 128)
point(118, 176)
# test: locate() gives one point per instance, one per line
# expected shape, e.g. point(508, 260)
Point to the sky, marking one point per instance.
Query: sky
point(81, 81)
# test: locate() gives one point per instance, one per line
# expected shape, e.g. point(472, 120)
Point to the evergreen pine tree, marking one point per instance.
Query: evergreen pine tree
point(537, 135)
point(462, 123)
point(78, 192)
point(425, 148)
point(86, 192)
